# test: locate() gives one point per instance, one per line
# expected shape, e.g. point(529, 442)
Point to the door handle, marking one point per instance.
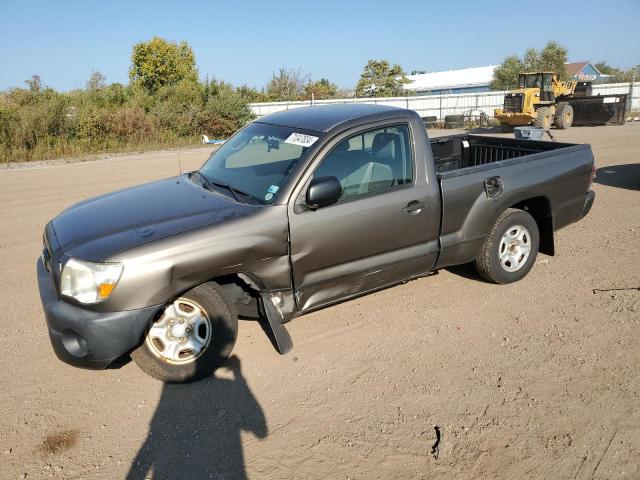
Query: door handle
point(414, 207)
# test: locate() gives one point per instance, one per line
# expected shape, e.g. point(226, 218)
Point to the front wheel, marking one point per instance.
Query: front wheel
point(193, 336)
point(564, 115)
point(543, 118)
point(510, 249)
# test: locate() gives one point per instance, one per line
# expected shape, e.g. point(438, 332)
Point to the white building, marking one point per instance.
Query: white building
point(466, 80)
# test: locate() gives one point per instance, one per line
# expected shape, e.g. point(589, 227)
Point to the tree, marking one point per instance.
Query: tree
point(250, 94)
point(606, 69)
point(157, 63)
point(226, 111)
point(618, 75)
point(97, 81)
point(531, 60)
point(287, 85)
point(322, 89)
point(34, 83)
point(552, 58)
point(381, 79)
point(505, 76)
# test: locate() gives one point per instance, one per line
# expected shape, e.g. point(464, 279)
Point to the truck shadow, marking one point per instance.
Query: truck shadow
point(467, 271)
point(195, 430)
point(621, 176)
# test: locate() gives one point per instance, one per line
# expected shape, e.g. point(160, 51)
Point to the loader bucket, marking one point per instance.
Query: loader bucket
point(599, 110)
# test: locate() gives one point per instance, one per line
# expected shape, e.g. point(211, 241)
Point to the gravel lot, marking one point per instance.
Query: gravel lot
point(539, 379)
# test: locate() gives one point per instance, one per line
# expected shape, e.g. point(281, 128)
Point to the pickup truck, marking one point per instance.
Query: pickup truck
point(297, 211)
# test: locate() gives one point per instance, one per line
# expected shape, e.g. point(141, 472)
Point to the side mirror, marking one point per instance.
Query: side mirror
point(323, 191)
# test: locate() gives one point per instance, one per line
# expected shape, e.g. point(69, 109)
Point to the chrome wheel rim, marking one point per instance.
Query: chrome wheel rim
point(181, 334)
point(515, 248)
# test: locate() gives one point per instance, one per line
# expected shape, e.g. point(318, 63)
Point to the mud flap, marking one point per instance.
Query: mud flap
point(283, 342)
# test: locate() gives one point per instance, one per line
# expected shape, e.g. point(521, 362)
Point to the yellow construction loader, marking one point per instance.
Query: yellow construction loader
point(542, 100)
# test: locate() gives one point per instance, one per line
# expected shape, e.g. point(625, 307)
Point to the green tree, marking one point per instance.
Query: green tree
point(551, 58)
point(381, 79)
point(226, 111)
point(322, 89)
point(157, 63)
point(531, 60)
point(177, 107)
point(250, 94)
point(505, 76)
point(618, 75)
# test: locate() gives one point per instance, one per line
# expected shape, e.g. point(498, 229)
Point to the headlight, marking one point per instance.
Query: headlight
point(89, 282)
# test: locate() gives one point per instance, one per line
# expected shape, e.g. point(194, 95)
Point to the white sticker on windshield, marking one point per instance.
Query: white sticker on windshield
point(301, 139)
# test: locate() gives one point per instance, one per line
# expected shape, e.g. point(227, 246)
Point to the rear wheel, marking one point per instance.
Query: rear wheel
point(506, 128)
point(510, 249)
point(193, 336)
point(564, 115)
point(543, 119)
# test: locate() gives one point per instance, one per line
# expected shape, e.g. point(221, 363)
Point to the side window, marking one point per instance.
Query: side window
point(370, 162)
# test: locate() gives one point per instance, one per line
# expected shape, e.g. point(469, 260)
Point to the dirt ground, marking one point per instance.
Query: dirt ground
point(539, 379)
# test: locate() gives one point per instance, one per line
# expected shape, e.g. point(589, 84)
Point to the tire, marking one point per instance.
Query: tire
point(490, 264)
point(506, 128)
point(450, 125)
point(430, 122)
point(543, 119)
point(453, 118)
point(210, 326)
point(563, 117)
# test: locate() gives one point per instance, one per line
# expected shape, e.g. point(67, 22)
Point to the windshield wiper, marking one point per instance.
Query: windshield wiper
point(232, 190)
point(218, 183)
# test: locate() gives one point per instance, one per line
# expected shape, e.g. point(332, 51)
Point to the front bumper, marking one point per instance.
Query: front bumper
point(85, 338)
point(515, 119)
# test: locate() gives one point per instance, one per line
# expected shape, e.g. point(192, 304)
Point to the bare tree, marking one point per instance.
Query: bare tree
point(287, 85)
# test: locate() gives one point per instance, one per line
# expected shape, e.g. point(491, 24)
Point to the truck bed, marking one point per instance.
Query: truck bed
point(552, 176)
point(463, 151)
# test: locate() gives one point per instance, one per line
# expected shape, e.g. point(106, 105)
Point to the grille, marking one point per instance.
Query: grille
point(513, 102)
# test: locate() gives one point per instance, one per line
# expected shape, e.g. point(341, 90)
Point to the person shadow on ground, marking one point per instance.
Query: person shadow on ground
point(195, 430)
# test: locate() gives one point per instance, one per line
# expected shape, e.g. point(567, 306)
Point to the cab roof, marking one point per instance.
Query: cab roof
point(323, 118)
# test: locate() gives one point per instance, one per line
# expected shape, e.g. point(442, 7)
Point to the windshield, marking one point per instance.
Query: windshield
point(256, 162)
point(530, 81)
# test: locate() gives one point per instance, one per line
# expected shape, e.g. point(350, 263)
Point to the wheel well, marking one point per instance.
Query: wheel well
point(243, 291)
point(540, 209)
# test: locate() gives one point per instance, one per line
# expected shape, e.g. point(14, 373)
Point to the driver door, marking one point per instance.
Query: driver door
point(377, 234)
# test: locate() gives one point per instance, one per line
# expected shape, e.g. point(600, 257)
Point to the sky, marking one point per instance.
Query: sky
point(244, 42)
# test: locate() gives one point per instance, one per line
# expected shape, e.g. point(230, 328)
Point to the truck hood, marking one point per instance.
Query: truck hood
point(98, 228)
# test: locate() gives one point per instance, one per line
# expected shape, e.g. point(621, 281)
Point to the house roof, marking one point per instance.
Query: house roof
point(465, 77)
point(575, 68)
